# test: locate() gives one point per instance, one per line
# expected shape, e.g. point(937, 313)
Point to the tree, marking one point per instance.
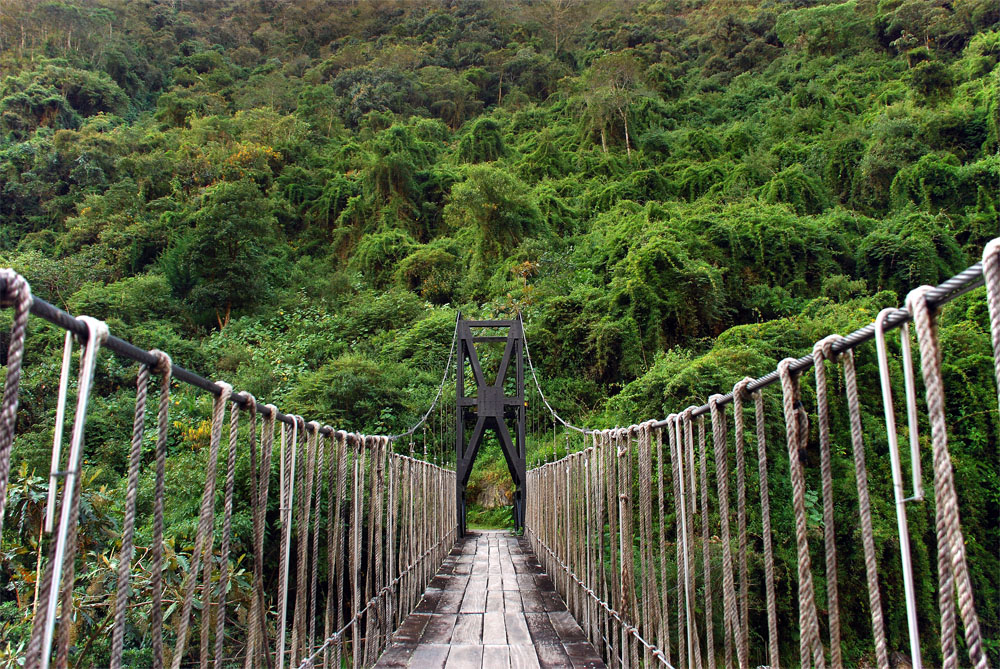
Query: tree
point(222, 262)
point(498, 204)
point(613, 82)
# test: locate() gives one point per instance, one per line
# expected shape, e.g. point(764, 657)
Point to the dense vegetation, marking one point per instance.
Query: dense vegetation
point(297, 197)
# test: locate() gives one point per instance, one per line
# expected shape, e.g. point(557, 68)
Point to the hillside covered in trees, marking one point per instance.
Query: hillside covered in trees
point(297, 197)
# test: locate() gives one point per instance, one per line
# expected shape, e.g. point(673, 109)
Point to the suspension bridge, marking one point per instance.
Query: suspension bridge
point(626, 547)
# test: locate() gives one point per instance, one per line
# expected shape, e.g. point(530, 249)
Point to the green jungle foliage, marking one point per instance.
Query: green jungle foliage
point(298, 197)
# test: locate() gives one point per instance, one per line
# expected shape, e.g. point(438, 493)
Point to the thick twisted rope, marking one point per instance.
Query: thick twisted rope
point(685, 445)
point(128, 527)
point(741, 522)
point(765, 514)
point(821, 353)
point(15, 291)
point(314, 565)
point(165, 370)
point(954, 568)
point(706, 556)
point(227, 532)
point(664, 636)
point(203, 539)
point(991, 272)
point(864, 509)
point(796, 430)
point(732, 613)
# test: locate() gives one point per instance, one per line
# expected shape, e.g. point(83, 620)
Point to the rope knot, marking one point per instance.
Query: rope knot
point(823, 349)
point(164, 365)
point(991, 252)
point(227, 390)
point(740, 389)
point(250, 400)
point(916, 300)
point(14, 289)
point(97, 329)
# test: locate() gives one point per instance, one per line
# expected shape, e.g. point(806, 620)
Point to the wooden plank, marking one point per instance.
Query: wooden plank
point(468, 629)
point(397, 655)
point(430, 656)
point(523, 656)
point(551, 601)
point(465, 656)
point(494, 628)
point(512, 601)
point(450, 602)
point(439, 629)
point(412, 628)
point(532, 601)
point(496, 657)
point(517, 629)
point(552, 656)
point(494, 601)
point(583, 656)
point(475, 599)
point(566, 627)
point(541, 630)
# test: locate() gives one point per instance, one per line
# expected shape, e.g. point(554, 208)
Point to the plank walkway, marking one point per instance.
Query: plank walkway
point(490, 606)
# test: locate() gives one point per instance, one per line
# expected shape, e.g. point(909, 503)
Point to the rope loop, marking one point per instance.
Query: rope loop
point(823, 349)
point(740, 389)
point(164, 365)
point(14, 291)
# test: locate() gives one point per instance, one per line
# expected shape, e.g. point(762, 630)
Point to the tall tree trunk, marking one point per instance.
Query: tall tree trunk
point(604, 141)
point(628, 146)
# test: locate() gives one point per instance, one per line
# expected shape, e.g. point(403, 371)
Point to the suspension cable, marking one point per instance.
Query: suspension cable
point(963, 282)
point(440, 390)
point(534, 376)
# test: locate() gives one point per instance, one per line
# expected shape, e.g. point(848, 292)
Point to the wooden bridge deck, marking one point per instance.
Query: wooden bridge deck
point(490, 606)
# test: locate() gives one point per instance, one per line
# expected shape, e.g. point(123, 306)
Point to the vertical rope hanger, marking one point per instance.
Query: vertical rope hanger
point(16, 292)
point(991, 272)
point(864, 509)
point(165, 370)
point(796, 430)
point(732, 615)
point(227, 531)
point(664, 630)
point(60, 568)
point(685, 449)
point(705, 534)
point(128, 530)
point(125, 554)
point(822, 352)
point(741, 525)
point(952, 565)
point(203, 539)
point(681, 550)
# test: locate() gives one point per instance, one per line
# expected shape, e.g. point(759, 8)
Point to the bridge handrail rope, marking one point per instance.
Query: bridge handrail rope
point(626, 632)
point(405, 548)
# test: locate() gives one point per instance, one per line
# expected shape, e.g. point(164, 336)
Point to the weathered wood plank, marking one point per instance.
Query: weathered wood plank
point(466, 621)
point(465, 656)
point(468, 629)
point(496, 656)
point(429, 656)
point(494, 628)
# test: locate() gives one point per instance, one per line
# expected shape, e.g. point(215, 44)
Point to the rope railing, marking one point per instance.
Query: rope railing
point(596, 516)
point(383, 521)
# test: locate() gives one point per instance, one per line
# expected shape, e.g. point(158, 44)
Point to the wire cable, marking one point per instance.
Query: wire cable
point(440, 391)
